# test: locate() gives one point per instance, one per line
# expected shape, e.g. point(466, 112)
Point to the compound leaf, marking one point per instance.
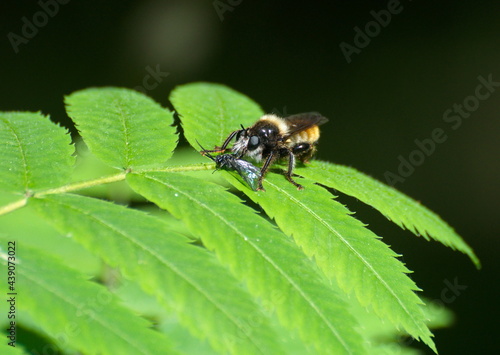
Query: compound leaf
point(342, 247)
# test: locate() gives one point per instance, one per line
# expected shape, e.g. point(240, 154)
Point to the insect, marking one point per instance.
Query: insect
point(246, 170)
point(274, 138)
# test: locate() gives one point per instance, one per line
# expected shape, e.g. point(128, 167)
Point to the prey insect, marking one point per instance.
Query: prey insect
point(249, 173)
point(274, 138)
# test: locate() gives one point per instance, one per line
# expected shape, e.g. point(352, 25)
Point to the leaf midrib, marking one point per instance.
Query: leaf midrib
point(222, 109)
point(123, 116)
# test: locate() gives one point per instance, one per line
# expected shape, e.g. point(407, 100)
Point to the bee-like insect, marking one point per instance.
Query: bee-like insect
point(246, 170)
point(272, 138)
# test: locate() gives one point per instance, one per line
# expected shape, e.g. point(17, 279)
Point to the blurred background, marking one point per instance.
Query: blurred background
point(412, 90)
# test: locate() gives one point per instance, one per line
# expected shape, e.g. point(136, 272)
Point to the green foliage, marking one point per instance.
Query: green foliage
point(213, 110)
point(185, 277)
point(396, 206)
point(272, 266)
point(345, 250)
point(205, 268)
point(123, 128)
point(24, 168)
point(81, 318)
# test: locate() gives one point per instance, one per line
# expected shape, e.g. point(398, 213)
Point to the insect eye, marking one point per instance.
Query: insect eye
point(253, 143)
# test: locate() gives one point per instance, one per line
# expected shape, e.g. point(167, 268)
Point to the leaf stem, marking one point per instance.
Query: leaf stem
point(13, 206)
point(100, 181)
point(83, 184)
point(174, 169)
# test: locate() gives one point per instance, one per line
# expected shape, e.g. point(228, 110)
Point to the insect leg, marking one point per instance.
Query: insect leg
point(221, 149)
point(291, 165)
point(269, 161)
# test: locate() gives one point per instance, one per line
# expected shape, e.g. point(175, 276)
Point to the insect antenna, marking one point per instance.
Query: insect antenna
point(205, 152)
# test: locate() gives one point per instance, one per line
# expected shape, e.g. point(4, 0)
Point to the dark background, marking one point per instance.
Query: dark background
point(286, 55)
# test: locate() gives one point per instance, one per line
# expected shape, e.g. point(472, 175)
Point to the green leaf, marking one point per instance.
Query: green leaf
point(39, 235)
point(122, 127)
point(34, 152)
point(340, 244)
point(287, 278)
point(272, 266)
point(343, 248)
point(188, 279)
point(89, 167)
point(70, 307)
point(393, 204)
point(214, 111)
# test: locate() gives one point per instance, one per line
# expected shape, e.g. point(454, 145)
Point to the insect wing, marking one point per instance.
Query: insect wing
point(303, 121)
point(249, 173)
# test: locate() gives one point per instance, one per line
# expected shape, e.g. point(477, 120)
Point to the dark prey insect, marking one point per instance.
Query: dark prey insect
point(246, 170)
point(274, 138)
